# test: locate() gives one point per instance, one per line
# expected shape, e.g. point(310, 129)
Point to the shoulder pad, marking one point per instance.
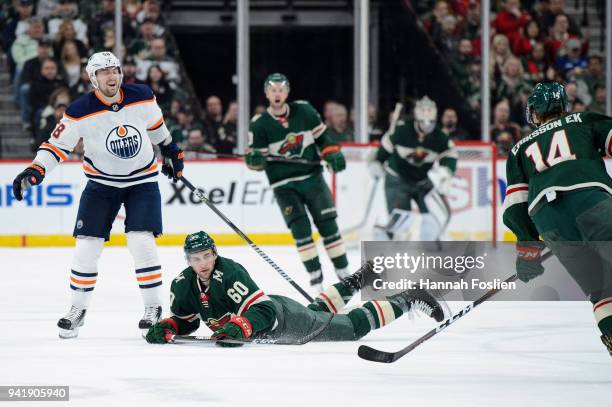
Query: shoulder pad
point(83, 106)
point(255, 118)
point(137, 93)
point(301, 102)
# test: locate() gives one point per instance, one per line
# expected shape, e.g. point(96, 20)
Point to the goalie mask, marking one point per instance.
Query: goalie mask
point(425, 114)
point(102, 60)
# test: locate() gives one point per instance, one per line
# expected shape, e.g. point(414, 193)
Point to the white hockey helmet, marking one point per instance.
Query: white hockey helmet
point(426, 114)
point(102, 60)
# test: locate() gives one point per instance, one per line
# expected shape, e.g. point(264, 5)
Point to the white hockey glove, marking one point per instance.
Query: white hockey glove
point(441, 178)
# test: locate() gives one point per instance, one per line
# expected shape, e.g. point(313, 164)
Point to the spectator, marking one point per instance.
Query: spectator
point(339, 126)
point(434, 23)
point(559, 36)
point(139, 47)
point(450, 128)
point(17, 25)
point(461, 64)
point(24, 48)
point(328, 109)
point(46, 9)
point(158, 57)
point(500, 52)
point(31, 72)
point(51, 115)
point(83, 86)
point(594, 73)
point(511, 20)
point(48, 81)
point(572, 59)
point(571, 90)
point(259, 109)
point(549, 17)
point(228, 132)
point(599, 103)
point(525, 43)
point(504, 132)
point(213, 119)
point(536, 64)
point(514, 88)
point(447, 39)
point(195, 144)
point(471, 26)
point(104, 19)
point(132, 8)
point(473, 92)
point(152, 12)
point(129, 71)
point(65, 33)
point(184, 121)
point(68, 10)
point(71, 62)
point(375, 132)
point(161, 88)
point(579, 106)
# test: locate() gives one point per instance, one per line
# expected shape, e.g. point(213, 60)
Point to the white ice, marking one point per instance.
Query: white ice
point(503, 354)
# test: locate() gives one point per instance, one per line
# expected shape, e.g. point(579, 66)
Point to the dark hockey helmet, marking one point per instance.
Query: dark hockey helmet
point(199, 241)
point(276, 78)
point(546, 99)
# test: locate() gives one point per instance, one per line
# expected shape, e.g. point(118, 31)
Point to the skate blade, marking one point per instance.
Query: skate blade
point(68, 333)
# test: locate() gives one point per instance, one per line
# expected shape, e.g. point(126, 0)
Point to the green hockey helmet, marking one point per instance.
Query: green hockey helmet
point(199, 241)
point(276, 78)
point(546, 99)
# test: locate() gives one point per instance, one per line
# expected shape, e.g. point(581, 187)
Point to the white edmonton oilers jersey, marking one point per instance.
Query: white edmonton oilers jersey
point(118, 138)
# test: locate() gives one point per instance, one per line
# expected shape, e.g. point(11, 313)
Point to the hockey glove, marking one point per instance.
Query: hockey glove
point(334, 157)
point(173, 161)
point(255, 160)
point(424, 186)
point(528, 262)
point(33, 175)
point(162, 331)
point(236, 328)
point(441, 178)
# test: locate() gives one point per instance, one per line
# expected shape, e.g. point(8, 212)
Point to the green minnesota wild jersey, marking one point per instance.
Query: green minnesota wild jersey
point(230, 291)
point(409, 154)
point(564, 154)
point(299, 134)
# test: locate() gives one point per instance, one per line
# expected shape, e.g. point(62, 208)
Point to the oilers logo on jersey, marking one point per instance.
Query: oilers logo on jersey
point(124, 141)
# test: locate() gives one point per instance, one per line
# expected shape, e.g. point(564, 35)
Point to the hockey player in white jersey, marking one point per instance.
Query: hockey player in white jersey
point(119, 125)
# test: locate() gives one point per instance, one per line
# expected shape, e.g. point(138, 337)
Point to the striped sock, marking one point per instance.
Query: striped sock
point(334, 245)
point(333, 300)
point(603, 314)
point(373, 315)
point(82, 285)
point(150, 283)
point(310, 257)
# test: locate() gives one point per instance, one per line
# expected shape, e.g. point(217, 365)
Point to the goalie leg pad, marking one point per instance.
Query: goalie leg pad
point(146, 263)
point(84, 271)
point(436, 217)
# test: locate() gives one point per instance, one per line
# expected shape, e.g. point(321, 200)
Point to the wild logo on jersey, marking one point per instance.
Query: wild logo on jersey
point(293, 145)
point(417, 156)
point(124, 141)
point(215, 324)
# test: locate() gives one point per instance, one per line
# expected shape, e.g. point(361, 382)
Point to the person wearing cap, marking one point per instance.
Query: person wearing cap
point(572, 58)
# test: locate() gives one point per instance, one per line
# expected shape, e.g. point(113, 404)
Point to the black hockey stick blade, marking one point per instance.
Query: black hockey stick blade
point(374, 355)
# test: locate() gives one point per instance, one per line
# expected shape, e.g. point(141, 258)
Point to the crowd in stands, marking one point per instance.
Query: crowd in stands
point(48, 42)
point(531, 41)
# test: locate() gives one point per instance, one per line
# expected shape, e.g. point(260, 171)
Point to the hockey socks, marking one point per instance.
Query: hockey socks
point(148, 270)
point(302, 233)
point(334, 245)
point(84, 271)
point(375, 314)
point(333, 299)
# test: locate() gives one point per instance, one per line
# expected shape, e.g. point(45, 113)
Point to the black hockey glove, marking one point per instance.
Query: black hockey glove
point(424, 186)
point(173, 161)
point(528, 260)
point(33, 175)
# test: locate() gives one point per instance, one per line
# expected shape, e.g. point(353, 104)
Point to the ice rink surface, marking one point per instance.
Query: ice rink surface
point(503, 353)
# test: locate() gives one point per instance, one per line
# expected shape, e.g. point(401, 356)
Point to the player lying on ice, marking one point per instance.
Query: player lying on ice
point(220, 292)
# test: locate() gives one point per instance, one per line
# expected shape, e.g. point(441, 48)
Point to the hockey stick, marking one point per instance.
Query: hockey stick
point(235, 228)
point(254, 341)
point(374, 355)
point(272, 158)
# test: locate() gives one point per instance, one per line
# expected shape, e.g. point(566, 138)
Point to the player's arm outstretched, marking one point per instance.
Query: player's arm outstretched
point(62, 141)
point(252, 310)
point(516, 218)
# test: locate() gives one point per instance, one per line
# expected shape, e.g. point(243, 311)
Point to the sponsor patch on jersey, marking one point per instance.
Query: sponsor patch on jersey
point(293, 145)
point(124, 141)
